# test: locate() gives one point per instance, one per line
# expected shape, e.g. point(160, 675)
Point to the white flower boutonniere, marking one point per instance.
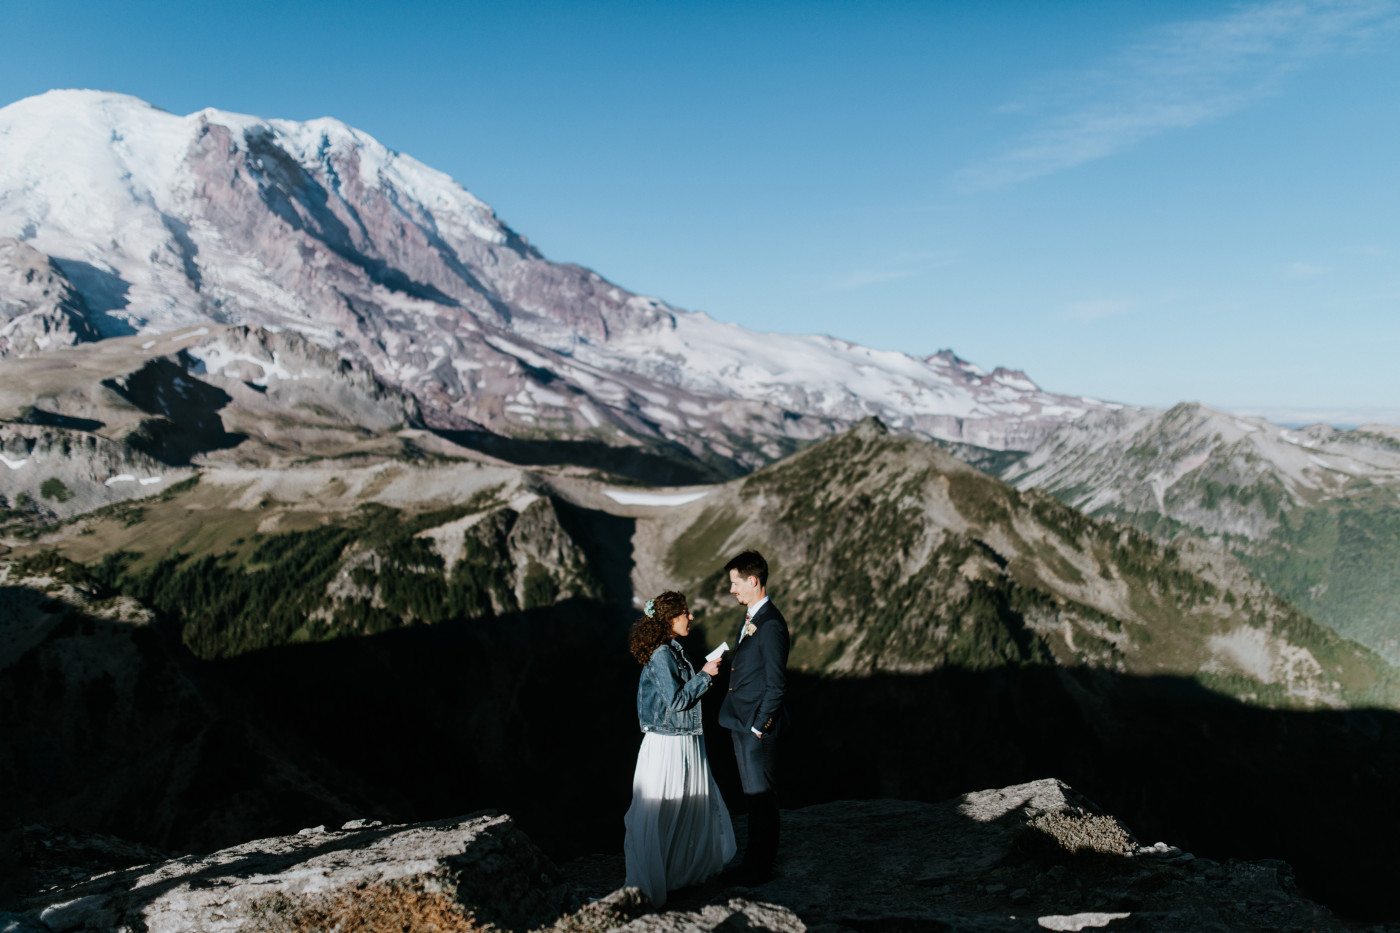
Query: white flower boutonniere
point(750, 628)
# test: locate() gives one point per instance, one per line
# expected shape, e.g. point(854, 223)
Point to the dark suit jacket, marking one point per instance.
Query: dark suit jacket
point(758, 676)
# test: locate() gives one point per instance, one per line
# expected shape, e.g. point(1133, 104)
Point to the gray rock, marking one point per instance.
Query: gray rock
point(19, 923)
point(1012, 858)
point(39, 307)
point(84, 913)
point(395, 877)
point(735, 914)
point(845, 866)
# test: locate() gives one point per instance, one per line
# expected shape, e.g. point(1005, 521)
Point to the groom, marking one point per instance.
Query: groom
point(753, 711)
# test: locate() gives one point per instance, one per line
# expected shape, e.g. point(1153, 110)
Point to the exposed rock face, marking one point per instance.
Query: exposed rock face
point(61, 472)
point(982, 862)
point(96, 425)
point(475, 869)
point(39, 308)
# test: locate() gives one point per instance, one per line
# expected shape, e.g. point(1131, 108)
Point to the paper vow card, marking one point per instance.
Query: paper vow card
point(718, 652)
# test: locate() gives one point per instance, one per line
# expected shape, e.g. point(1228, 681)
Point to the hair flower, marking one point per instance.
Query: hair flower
point(650, 609)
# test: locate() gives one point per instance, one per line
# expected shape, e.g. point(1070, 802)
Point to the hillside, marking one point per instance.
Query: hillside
point(891, 555)
point(1314, 512)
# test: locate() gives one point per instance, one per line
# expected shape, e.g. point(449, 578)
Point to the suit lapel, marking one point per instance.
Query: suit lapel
point(757, 620)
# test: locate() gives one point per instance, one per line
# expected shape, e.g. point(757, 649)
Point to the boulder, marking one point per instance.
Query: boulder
point(445, 875)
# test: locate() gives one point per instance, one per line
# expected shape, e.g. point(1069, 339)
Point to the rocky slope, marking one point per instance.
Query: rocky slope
point(162, 222)
point(1314, 512)
point(1035, 856)
point(128, 417)
point(39, 308)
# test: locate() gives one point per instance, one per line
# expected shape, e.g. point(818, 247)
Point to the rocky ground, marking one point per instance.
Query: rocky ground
point(1034, 856)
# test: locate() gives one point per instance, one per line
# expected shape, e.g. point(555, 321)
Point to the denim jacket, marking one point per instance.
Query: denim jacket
point(668, 696)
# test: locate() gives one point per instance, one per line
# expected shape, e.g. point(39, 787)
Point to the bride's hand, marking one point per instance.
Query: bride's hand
point(712, 668)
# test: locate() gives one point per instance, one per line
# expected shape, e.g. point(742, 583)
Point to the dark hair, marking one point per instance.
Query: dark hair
point(750, 564)
point(654, 627)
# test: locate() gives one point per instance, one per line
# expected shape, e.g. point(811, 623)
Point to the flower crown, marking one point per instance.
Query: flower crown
point(650, 609)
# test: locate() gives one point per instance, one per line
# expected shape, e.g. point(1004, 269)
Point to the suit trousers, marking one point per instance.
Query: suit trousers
point(758, 774)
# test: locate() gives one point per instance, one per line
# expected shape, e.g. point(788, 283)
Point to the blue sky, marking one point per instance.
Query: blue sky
point(1138, 201)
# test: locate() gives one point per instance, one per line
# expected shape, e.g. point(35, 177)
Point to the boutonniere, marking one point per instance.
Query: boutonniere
point(750, 628)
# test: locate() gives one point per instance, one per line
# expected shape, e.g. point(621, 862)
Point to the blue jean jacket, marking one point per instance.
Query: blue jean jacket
point(668, 696)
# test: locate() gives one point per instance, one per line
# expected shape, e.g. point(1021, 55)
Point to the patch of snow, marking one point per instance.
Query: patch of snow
point(546, 397)
point(216, 357)
point(151, 479)
point(661, 414)
point(1073, 923)
point(1248, 650)
point(119, 478)
point(148, 344)
point(520, 502)
point(13, 464)
point(628, 497)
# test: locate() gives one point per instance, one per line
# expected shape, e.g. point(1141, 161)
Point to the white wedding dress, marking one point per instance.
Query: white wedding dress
point(678, 829)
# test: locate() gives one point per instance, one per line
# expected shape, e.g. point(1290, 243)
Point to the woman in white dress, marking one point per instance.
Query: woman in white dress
point(678, 829)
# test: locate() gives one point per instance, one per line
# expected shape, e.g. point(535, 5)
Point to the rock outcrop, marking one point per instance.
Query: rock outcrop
point(39, 307)
point(1034, 856)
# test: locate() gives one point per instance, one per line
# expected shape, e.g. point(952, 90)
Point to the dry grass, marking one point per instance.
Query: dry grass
point(1074, 831)
point(394, 907)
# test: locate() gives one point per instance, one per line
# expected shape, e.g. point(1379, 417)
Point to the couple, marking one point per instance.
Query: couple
point(678, 831)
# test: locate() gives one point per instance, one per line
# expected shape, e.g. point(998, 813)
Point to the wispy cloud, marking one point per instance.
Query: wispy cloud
point(1338, 417)
point(1306, 270)
point(1087, 312)
point(891, 268)
point(1181, 75)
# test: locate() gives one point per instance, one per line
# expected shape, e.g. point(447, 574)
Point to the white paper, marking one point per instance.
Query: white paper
point(718, 652)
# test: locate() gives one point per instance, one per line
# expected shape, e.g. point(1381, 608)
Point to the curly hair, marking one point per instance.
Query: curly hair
point(652, 630)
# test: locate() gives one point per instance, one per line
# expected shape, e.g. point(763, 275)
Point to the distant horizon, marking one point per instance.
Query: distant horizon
point(1130, 204)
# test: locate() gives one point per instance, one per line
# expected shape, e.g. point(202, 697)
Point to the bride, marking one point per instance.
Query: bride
point(678, 829)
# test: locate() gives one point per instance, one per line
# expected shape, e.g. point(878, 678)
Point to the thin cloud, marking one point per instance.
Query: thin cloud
point(1337, 417)
point(1087, 312)
point(1306, 270)
point(1183, 75)
point(892, 268)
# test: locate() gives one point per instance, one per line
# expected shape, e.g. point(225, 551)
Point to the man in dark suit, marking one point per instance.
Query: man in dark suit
point(754, 711)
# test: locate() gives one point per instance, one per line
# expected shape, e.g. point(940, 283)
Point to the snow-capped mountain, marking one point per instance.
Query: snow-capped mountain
point(160, 221)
